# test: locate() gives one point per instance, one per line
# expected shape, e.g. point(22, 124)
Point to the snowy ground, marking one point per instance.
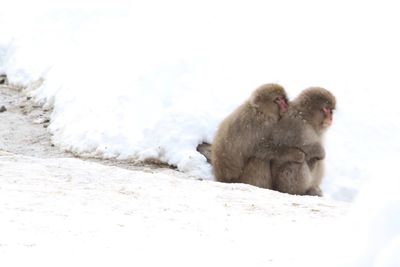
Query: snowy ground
point(23, 126)
point(66, 211)
point(76, 212)
point(135, 80)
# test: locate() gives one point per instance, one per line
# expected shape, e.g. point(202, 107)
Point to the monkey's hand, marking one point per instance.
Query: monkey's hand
point(314, 152)
point(312, 162)
point(280, 152)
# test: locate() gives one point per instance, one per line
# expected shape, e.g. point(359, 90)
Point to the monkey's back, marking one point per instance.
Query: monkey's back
point(235, 140)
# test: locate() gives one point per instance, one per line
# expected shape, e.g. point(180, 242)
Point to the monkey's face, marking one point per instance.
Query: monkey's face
point(270, 99)
point(324, 114)
point(282, 103)
point(327, 108)
point(328, 117)
point(318, 104)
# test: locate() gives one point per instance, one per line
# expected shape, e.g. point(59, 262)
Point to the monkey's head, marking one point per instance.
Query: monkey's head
point(270, 99)
point(316, 105)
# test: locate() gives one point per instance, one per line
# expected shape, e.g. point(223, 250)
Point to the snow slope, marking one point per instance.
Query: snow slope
point(152, 79)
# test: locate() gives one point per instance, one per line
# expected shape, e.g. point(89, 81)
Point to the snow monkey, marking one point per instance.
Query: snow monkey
point(303, 126)
point(237, 154)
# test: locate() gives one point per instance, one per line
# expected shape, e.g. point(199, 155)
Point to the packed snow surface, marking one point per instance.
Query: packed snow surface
point(71, 212)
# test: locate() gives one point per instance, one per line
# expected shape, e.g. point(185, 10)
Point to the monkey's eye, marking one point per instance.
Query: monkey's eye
point(327, 110)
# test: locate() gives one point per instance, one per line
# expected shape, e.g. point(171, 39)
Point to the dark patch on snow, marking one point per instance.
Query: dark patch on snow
point(3, 79)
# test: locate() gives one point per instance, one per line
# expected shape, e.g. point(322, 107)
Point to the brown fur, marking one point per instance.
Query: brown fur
point(205, 150)
point(302, 127)
point(238, 155)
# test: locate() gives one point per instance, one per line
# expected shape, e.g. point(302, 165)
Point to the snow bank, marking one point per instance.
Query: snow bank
point(152, 79)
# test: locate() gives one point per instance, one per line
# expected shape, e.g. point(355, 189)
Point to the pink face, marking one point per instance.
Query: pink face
point(328, 117)
point(282, 103)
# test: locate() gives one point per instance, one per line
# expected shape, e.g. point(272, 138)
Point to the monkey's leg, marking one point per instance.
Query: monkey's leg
point(290, 177)
point(317, 172)
point(257, 172)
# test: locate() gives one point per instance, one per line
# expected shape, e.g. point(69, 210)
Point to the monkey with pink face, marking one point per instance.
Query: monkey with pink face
point(302, 127)
point(238, 154)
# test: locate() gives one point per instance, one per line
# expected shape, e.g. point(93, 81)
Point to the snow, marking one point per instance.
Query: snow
point(152, 79)
point(71, 212)
point(374, 221)
point(137, 80)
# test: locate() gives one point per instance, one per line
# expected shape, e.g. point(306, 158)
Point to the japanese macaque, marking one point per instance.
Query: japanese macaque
point(302, 127)
point(238, 153)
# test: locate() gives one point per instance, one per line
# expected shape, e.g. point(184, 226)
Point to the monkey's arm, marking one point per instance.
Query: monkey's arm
point(314, 153)
point(287, 154)
point(280, 152)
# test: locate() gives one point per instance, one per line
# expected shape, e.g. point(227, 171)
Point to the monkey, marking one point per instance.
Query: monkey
point(303, 127)
point(236, 152)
